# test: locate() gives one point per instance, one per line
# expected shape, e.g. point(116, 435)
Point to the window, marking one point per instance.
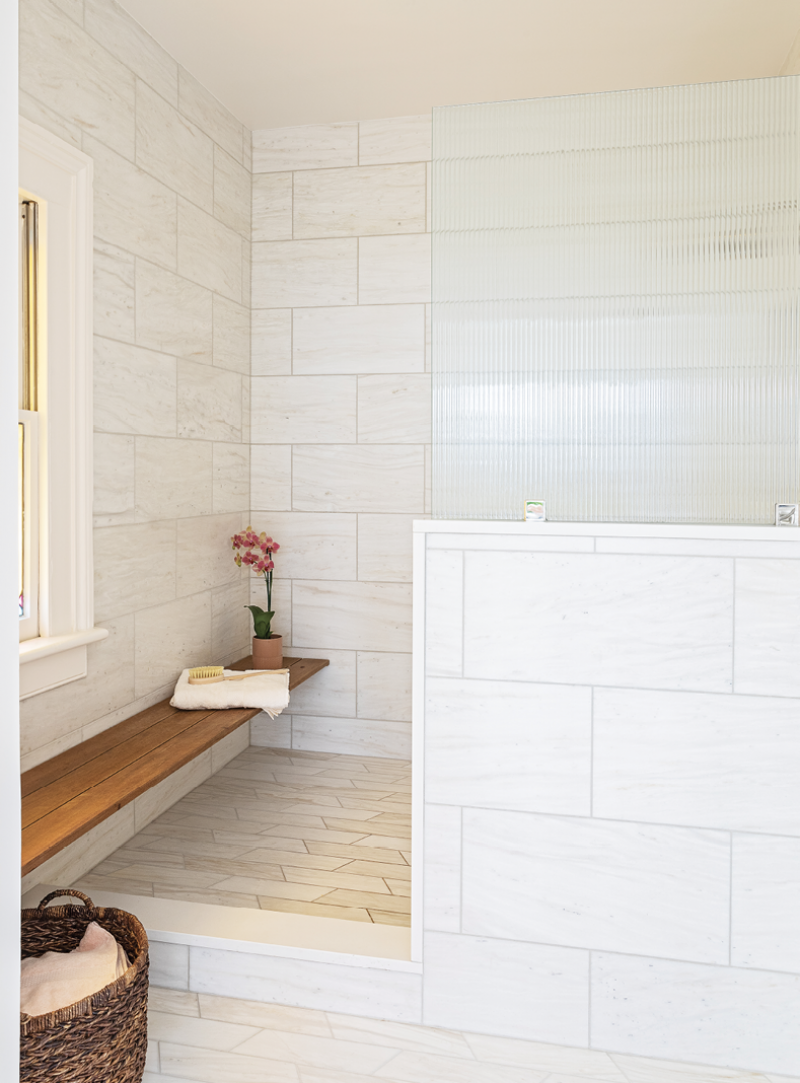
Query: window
point(55, 426)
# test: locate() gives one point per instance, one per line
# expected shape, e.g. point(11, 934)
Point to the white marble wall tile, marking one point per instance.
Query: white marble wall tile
point(661, 622)
point(428, 480)
point(384, 686)
point(313, 546)
point(514, 544)
point(352, 736)
point(209, 403)
point(506, 988)
point(394, 409)
point(332, 692)
point(173, 478)
point(246, 411)
point(134, 567)
point(230, 623)
point(113, 292)
point(272, 342)
point(444, 602)
point(129, 42)
point(205, 557)
point(366, 339)
point(272, 207)
point(394, 270)
point(304, 409)
point(169, 965)
point(149, 805)
point(310, 146)
point(291, 273)
point(209, 253)
point(169, 638)
point(352, 616)
point(271, 477)
point(135, 390)
point(132, 209)
point(384, 547)
point(231, 335)
point(39, 113)
point(645, 890)
point(73, 8)
point(366, 200)
point(687, 1011)
point(266, 732)
point(765, 932)
point(429, 196)
point(171, 148)
point(508, 745)
point(397, 139)
point(381, 994)
point(247, 151)
point(231, 477)
point(767, 627)
point(173, 315)
point(247, 272)
point(63, 711)
point(201, 107)
point(89, 850)
point(346, 477)
point(114, 498)
point(60, 63)
point(428, 339)
point(231, 192)
point(686, 758)
point(442, 869)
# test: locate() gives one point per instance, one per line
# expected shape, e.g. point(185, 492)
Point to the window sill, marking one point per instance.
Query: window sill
point(50, 661)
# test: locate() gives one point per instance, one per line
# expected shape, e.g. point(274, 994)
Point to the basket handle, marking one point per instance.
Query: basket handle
point(68, 891)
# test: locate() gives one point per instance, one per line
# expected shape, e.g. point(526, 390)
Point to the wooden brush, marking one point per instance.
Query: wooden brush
point(215, 674)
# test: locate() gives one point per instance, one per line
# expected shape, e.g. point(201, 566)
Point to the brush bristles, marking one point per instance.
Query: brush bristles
point(204, 673)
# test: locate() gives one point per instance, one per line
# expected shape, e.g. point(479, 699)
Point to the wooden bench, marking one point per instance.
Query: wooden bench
point(65, 797)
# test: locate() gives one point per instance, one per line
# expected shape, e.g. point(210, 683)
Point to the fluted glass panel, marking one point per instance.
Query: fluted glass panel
point(615, 305)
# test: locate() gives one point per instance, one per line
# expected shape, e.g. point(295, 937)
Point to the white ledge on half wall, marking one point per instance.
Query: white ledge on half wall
point(49, 661)
point(44, 646)
point(693, 531)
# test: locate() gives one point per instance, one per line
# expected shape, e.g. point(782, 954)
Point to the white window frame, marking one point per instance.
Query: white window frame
point(60, 177)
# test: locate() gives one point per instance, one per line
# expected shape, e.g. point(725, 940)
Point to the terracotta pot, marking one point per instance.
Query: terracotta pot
point(268, 653)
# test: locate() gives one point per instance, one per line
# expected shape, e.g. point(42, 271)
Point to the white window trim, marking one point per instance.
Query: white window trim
point(66, 592)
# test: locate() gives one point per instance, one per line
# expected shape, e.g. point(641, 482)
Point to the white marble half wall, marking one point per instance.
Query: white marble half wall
point(611, 744)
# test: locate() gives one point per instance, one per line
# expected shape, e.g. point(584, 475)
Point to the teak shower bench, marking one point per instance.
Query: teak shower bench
point(66, 796)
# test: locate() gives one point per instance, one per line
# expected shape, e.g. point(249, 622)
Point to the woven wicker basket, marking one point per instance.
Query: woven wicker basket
point(102, 1039)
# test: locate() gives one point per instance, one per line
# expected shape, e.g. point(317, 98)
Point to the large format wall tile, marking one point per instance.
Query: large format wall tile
point(767, 627)
point(384, 547)
point(272, 207)
point(231, 477)
point(169, 638)
point(394, 409)
point(506, 988)
point(765, 932)
point(384, 686)
point(310, 146)
point(352, 736)
point(135, 390)
point(117, 31)
point(444, 606)
point(346, 477)
point(173, 478)
point(270, 477)
point(687, 758)
point(690, 1012)
point(200, 106)
point(205, 557)
point(171, 148)
point(363, 339)
point(508, 745)
point(134, 567)
point(272, 342)
point(114, 292)
point(394, 270)
point(209, 252)
point(291, 273)
point(662, 622)
point(442, 869)
point(397, 139)
point(352, 616)
point(645, 890)
point(59, 63)
point(230, 623)
point(333, 690)
point(312, 545)
point(231, 192)
point(173, 315)
point(209, 403)
point(114, 497)
point(362, 201)
point(304, 409)
point(231, 335)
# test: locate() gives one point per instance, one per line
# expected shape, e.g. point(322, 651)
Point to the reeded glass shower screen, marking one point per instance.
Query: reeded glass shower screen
point(615, 305)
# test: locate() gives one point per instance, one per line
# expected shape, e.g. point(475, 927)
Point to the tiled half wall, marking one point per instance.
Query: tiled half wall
point(612, 815)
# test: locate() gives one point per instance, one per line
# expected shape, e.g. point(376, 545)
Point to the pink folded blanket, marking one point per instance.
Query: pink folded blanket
point(60, 978)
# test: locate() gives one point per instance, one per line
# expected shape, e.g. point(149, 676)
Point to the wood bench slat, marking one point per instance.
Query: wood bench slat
point(81, 787)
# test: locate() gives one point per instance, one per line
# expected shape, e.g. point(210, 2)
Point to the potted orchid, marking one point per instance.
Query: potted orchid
point(255, 551)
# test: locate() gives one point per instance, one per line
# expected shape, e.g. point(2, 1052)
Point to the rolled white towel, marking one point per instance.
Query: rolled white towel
point(268, 692)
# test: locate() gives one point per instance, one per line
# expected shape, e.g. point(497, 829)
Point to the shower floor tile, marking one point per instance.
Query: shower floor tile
point(277, 829)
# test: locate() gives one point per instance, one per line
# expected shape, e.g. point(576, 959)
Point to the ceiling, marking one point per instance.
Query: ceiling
point(276, 63)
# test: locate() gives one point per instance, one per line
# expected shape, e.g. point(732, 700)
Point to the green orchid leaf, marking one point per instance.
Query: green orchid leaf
point(261, 621)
